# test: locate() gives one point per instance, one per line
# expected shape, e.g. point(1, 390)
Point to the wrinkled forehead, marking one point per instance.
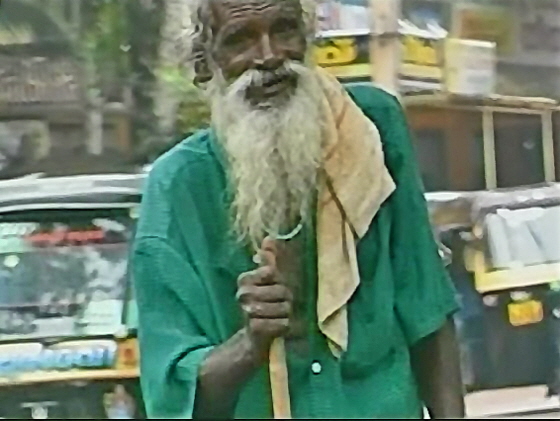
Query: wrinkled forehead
point(228, 11)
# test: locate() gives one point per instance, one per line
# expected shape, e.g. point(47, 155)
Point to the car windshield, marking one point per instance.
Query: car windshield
point(63, 274)
point(523, 237)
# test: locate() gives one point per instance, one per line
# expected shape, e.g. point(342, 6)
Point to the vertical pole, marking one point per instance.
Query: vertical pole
point(548, 146)
point(488, 136)
point(385, 48)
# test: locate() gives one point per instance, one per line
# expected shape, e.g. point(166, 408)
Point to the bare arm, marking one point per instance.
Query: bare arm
point(267, 305)
point(223, 373)
point(435, 360)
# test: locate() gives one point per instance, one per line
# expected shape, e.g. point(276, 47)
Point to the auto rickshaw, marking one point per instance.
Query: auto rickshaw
point(514, 256)
point(505, 246)
point(67, 312)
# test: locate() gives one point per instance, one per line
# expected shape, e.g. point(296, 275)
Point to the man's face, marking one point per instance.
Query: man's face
point(262, 35)
point(267, 110)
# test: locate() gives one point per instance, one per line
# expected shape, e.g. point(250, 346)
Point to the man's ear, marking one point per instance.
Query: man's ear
point(202, 73)
point(200, 45)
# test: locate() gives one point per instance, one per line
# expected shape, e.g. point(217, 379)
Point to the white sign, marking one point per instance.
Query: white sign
point(343, 15)
point(470, 67)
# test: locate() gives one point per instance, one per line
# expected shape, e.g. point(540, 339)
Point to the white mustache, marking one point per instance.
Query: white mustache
point(253, 77)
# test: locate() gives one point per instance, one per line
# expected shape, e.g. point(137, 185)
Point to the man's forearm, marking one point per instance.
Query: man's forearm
point(436, 364)
point(222, 374)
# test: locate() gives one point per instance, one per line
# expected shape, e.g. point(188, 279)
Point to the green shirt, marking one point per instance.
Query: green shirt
point(186, 264)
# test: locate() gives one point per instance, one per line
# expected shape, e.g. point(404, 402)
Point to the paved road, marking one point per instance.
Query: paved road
point(515, 403)
point(533, 416)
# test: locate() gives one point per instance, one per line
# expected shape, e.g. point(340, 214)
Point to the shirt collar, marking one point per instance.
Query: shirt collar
point(217, 148)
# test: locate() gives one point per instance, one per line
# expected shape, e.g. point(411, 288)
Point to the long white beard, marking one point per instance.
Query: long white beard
point(274, 154)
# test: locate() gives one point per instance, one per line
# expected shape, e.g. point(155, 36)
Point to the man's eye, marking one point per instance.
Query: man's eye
point(234, 40)
point(240, 38)
point(285, 26)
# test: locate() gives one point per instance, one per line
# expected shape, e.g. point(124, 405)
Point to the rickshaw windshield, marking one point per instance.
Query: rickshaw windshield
point(523, 237)
point(63, 273)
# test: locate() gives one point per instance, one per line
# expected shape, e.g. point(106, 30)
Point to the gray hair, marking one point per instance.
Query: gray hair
point(196, 39)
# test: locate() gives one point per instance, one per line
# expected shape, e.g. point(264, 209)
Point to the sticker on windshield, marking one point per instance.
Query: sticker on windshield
point(63, 278)
point(134, 212)
point(11, 261)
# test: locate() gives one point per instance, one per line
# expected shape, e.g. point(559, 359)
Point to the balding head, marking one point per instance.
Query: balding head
point(234, 36)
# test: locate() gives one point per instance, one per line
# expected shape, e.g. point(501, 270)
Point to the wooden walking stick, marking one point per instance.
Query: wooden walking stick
point(278, 371)
point(279, 380)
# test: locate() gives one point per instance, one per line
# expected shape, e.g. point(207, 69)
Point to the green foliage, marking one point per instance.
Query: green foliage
point(106, 50)
point(193, 112)
point(105, 43)
point(118, 44)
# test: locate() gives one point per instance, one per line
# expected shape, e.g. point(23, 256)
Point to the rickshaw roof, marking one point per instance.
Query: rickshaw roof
point(72, 192)
point(537, 195)
point(463, 209)
point(451, 209)
point(447, 99)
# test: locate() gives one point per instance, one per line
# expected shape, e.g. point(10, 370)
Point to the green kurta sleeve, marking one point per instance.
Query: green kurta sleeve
point(172, 341)
point(424, 294)
point(185, 272)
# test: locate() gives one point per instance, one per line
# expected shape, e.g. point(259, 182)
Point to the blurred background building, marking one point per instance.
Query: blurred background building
point(101, 83)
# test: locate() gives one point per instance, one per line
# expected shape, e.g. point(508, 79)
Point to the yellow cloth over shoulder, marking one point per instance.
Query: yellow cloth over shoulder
point(354, 184)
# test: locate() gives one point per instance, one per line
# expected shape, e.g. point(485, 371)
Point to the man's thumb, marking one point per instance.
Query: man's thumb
point(268, 252)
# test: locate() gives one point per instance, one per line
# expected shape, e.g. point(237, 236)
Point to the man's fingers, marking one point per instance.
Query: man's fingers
point(261, 310)
point(261, 276)
point(248, 294)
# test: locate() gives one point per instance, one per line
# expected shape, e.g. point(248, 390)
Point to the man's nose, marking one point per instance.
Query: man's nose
point(268, 58)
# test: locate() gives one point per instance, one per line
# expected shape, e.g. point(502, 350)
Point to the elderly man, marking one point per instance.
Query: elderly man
point(299, 215)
